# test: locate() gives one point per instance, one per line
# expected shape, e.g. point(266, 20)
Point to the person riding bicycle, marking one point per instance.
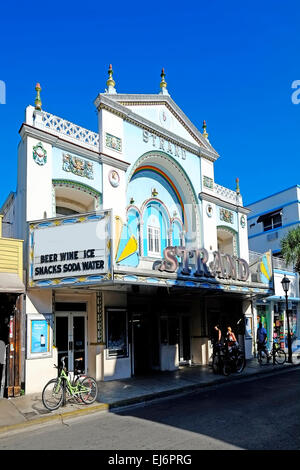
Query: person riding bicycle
point(231, 342)
point(261, 337)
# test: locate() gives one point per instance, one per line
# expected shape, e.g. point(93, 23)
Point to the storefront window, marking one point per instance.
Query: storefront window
point(173, 330)
point(293, 324)
point(278, 330)
point(264, 318)
point(116, 332)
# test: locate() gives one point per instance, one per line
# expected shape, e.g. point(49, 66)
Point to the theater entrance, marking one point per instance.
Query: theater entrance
point(71, 334)
point(145, 343)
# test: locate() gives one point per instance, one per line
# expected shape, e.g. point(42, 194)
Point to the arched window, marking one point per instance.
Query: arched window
point(177, 233)
point(227, 241)
point(71, 198)
point(153, 236)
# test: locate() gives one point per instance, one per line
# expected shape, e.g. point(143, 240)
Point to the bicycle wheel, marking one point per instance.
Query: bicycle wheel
point(262, 357)
point(240, 363)
point(89, 390)
point(226, 369)
point(216, 365)
point(52, 395)
point(280, 356)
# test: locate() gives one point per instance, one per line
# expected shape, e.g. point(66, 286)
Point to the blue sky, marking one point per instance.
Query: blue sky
point(231, 63)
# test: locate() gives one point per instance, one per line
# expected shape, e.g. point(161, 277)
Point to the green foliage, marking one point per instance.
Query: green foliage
point(290, 248)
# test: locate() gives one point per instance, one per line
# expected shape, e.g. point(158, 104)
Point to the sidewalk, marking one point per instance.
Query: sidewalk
point(21, 412)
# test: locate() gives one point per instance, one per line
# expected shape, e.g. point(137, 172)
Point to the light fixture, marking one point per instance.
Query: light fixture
point(285, 284)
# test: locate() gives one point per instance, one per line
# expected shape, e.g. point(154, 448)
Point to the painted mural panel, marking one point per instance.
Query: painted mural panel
point(74, 167)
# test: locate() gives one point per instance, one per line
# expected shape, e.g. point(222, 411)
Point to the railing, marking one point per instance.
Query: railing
point(227, 194)
point(278, 263)
point(69, 131)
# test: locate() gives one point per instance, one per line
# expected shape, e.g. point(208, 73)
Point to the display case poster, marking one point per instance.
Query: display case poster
point(40, 336)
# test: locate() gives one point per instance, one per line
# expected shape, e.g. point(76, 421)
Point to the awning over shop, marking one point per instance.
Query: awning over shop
point(282, 298)
point(10, 283)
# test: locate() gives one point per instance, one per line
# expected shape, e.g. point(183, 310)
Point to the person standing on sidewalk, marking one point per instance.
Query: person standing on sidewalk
point(261, 337)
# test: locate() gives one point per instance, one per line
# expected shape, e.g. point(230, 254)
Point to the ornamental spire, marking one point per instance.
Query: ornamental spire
point(163, 83)
point(110, 82)
point(237, 186)
point(37, 102)
point(205, 134)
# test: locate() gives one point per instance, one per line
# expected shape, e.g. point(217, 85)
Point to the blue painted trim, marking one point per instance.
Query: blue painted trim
point(274, 209)
point(275, 194)
point(280, 271)
point(273, 229)
point(282, 298)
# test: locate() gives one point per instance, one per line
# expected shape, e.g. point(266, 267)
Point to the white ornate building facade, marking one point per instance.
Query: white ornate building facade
point(133, 252)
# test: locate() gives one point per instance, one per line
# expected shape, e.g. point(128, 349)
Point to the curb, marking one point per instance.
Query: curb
point(144, 398)
point(54, 417)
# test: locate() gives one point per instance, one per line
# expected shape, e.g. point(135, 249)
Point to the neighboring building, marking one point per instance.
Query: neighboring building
point(270, 219)
point(133, 252)
point(11, 319)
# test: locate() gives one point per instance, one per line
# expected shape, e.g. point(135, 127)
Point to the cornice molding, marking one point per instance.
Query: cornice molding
point(223, 203)
point(29, 131)
point(108, 160)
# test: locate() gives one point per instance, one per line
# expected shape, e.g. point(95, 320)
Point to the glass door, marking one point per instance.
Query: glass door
point(71, 338)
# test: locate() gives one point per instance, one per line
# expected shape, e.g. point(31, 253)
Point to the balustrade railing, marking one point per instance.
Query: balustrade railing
point(69, 130)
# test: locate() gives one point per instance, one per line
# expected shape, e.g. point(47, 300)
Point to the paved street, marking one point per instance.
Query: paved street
point(260, 414)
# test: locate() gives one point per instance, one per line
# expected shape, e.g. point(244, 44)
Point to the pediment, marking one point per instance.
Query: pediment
point(163, 112)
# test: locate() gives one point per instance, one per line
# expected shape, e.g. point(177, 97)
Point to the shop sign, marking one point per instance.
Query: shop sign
point(70, 247)
point(221, 266)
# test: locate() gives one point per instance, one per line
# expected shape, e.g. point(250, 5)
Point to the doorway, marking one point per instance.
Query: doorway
point(145, 343)
point(71, 338)
point(185, 340)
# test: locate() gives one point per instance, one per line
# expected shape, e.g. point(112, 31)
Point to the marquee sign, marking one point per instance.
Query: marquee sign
point(222, 265)
point(70, 250)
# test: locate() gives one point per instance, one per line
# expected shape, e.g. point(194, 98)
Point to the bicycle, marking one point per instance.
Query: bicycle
point(83, 388)
point(217, 358)
point(233, 361)
point(264, 356)
point(225, 361)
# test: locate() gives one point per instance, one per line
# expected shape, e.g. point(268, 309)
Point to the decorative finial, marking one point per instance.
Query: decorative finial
point(110, 82)
point(205, 134)
point(37, 102)
point(163, 83)
point(237, 186)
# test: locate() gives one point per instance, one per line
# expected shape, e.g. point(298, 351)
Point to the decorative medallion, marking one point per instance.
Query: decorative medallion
point(113, 142)
point(114, 178)
point(209, 210)
point(226, 216)
point(208, 182)
point(165, 119)
point(77, 166)
point(39, 154)
point(243, 221)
